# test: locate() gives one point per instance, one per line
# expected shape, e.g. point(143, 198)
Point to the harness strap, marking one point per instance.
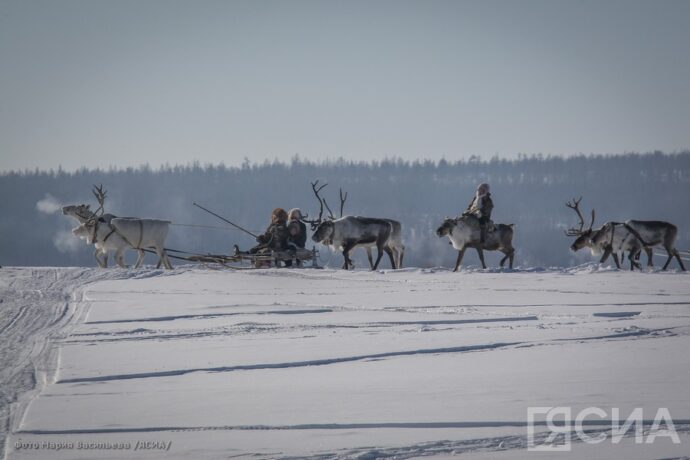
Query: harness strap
point(613, 231)
point(112, 230)
point(95, 232)
point(637, 235)
point(141, 233)
point(138, 246)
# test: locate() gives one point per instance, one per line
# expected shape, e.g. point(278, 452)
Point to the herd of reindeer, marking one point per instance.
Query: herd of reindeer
point(107, 232)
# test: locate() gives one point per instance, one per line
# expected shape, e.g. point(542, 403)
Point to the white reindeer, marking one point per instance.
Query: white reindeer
point(83, 214)
point(108, 232)
point(123, 233)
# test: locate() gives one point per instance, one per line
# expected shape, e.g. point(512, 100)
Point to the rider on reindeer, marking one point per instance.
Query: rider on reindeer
point(480, 207)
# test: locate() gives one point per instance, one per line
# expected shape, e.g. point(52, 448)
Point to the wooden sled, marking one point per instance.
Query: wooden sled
point(263, 259)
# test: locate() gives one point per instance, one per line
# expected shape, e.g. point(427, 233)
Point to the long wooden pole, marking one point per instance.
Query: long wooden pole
point(225, 220)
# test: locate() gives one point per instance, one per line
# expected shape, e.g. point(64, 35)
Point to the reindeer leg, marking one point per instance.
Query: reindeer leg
point(98, 260)
point(402, 254)
point(671, 252)
point(680, 261)
point(347, 247)
point(378, 257)
point(480, 252)
point(103, 263)
point(461, 254)
point(389, 251)
point(616, 260)
point(650, 255)
point(605, 256)
point(381, 246)
point(371, 259)
point(396, 257)
point(167, 262)
point(164, 258)
point(505, 257)
point(140, 259)
point(120, 258)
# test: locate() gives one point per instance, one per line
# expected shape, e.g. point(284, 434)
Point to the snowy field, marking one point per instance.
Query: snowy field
point(205, 364)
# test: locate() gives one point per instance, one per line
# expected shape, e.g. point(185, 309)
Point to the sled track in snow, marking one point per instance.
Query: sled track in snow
point(318, 362)
point(681, 425)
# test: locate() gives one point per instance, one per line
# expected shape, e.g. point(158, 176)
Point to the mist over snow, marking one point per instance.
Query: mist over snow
point(530, 192)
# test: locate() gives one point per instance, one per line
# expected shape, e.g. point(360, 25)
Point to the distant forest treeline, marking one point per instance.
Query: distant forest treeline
point(529, 191)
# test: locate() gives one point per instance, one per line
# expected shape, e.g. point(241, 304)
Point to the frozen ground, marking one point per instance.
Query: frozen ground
point(332, 364)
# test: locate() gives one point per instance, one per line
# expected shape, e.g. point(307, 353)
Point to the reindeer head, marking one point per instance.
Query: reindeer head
point(324, 232)
point(584, 237)
point(81, 211)
point(602, 237)
point(446, 227)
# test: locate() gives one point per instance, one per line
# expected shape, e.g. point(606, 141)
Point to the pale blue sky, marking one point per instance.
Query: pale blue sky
point(98, 83)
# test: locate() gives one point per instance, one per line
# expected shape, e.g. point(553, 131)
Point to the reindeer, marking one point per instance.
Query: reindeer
point(613, 238)
point(652, 233)
point(83, 214)
point(464, 232)
point(394, 244)
point(346, 233)
point(122, 233)
point(609, 239)
point(350, 231)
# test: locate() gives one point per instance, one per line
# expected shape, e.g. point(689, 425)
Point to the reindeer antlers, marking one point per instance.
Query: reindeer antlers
point(322, 203)
point(330, 213)
point(315, 222)
point(100, 194)
point(342, 201)
point(575, 206)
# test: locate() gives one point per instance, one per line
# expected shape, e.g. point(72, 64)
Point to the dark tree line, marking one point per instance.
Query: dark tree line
point(530, 192)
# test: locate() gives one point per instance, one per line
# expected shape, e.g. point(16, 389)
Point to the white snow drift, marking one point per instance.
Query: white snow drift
point(196, 363)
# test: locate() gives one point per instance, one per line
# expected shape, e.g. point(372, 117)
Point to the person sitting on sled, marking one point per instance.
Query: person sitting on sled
point(297, 233)
point(481, 207)
point(274, 238)
point(296, 229)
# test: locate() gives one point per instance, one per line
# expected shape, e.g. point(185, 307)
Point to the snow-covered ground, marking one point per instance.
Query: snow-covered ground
point(200, 363)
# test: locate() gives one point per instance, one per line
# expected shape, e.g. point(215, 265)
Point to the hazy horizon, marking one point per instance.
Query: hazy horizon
point(319, 162)
point(94, 84)
point(530, 193)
